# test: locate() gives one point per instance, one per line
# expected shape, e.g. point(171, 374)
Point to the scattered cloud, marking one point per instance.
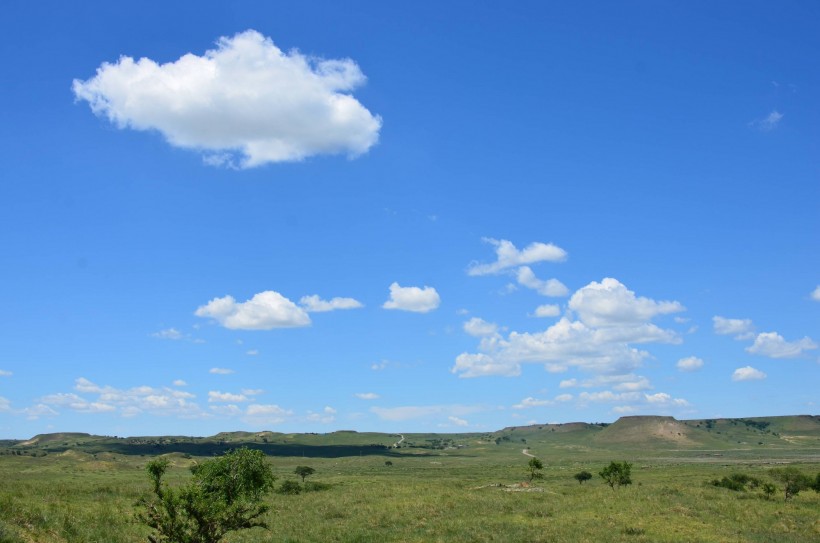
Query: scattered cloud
point(551, 287)
point(412, 412)
point(508, 256)
point(547, 310)
point(530, 402)
point(252, 352)
point(4, 373)
point(568, 383)
point(260, 414)
point(179, 383)
point(314, 304)
point(76, 403)
point(245, 103)
point(742, 329)
point(664, 399)
point(611, 319)
point(415, 299)
point(773, 345)
point(326, 416)
point(690, 363)
point(367, 395)
point(769, 122)
point(221, 371)
point(5, 404)
point(126, 402)
point(479, 327)
point(458, 421)
point(748, 373)
point(168, 333)
point(815, 294)
point(265, 311)
point(226, 397)
point(40, 410)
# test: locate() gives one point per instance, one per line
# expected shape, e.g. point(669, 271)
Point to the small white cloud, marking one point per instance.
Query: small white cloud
point(664, 399)
point(245, 103)
point(220, 371)
point(265, 311)
point(168, 333)
point(747, 373)
point(179, 383)
point(314, 304)
point(508, 256)
point(481, 365)
point(551, 287)
point(367, 395)
point(40, 410)
point(229, 410)
point(415, 299)
point(252, 352)
point(547, 310)
point(815, 294)
point(226, 397)
point(327, 416)
point(530, 402)
point(410, 412)
point(639, 383)
point(4, 373)
point(563, 398)
point(740, 328)
point(479, 327)
point(568, 383)
point(773, 345)
point(458, 421)
point(690, 363)
point(266, 414)
point(769, 122)
point(5, 405)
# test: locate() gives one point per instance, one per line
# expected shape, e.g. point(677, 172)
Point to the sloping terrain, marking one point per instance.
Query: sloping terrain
point(635, 433)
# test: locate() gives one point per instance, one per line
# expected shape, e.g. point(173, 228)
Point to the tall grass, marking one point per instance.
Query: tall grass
point(423, 499)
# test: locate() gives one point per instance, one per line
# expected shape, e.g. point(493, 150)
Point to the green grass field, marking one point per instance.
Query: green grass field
point(469, 490)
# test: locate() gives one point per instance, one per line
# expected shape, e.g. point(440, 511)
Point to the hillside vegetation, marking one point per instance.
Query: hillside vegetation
point(469, 487)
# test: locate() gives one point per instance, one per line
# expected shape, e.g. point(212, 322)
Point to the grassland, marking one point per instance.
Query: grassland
point(442, 487)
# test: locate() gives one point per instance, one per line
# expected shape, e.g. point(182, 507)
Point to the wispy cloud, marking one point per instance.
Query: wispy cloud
point(508, 256)
point(769, 122)
point(314, 304)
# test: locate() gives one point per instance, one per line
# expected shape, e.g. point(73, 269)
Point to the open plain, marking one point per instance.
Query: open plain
point(442, 487)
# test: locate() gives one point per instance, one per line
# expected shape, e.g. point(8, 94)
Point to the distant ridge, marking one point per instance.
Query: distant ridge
point(799, 432)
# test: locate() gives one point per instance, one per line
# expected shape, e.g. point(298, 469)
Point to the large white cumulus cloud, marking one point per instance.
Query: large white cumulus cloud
point(611, 319)
point(246, 102)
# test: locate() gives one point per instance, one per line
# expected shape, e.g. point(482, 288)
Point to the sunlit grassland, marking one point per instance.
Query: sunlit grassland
point(450, 495)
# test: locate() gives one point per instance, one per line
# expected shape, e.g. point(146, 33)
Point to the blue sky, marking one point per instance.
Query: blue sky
point(430, 217)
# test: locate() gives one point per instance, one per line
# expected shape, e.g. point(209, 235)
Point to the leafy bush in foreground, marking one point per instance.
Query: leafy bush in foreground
point(224, 496)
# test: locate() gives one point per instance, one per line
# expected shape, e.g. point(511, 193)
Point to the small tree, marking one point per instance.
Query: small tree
point(617, 474)
point(224, 496)
point(793, 481)
point(535, 466)
point(388, 463)
point(582, 476)
point(304, 471)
